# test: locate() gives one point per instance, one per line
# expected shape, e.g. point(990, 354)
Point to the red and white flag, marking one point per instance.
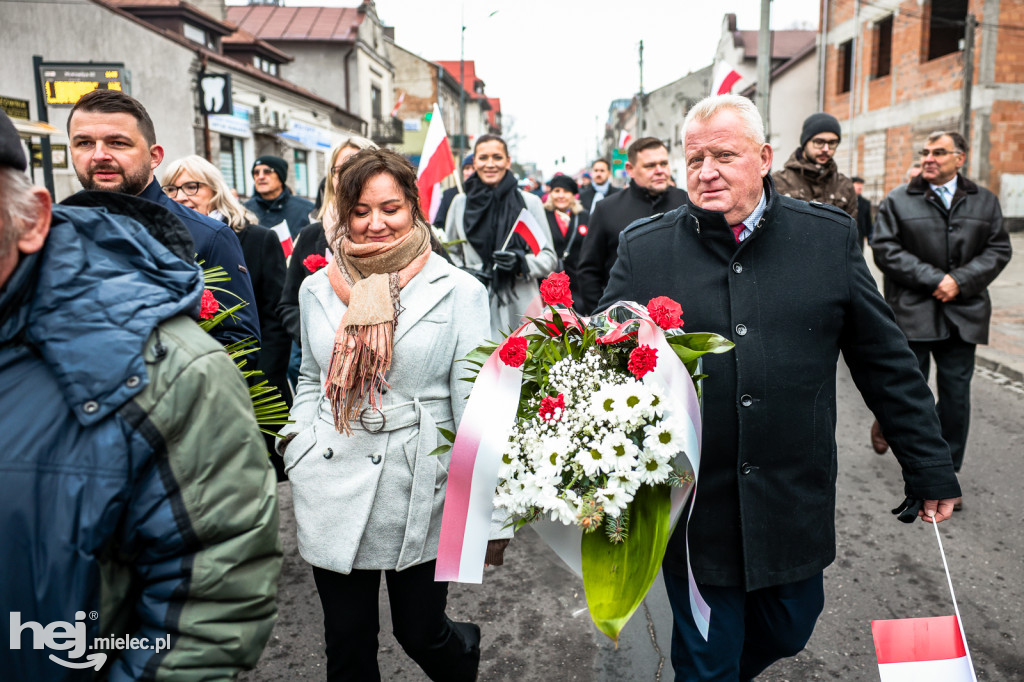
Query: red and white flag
point(398, 105)
point(284, 236)
point(535, 236)
point(725, 78)
point(624, 139)
point(436, 163)
point(921, 649)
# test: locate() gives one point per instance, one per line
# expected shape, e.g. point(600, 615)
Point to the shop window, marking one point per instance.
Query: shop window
point(845, 80)
point(232, 164)
point(946, 22)
point(883, 48)
point(301, 166)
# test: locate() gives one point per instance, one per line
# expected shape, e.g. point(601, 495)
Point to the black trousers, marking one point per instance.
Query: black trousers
point(443, 649)
point(954, 367)
point(749, 630)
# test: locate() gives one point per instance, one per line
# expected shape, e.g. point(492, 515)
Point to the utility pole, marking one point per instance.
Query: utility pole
point(968, 77)
point(764, 64)
point(640, 103)
point(462, 88)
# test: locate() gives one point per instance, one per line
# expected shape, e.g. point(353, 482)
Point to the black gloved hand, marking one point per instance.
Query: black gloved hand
point(907, 512)
point(505, 261)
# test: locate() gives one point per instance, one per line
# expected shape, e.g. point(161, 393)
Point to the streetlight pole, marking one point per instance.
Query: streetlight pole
point(462, 87)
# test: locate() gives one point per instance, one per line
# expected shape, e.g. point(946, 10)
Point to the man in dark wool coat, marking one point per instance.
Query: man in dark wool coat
point(786, 281)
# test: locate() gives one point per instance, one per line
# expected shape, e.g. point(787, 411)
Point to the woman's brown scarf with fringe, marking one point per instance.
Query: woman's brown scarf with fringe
point(367, 278)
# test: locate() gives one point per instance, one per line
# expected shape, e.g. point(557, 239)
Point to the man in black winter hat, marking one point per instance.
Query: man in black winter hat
point(811, 174)
point(274, 203)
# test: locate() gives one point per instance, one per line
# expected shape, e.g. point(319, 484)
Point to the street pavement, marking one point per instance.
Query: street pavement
point(533, 614)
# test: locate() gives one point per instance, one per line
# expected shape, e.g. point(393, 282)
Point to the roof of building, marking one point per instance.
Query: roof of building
point(161, 8)
point(115, 7)
point(494, 112)
point(785, 44)
point(243, 39)
point(269, 22)
point(453, 68)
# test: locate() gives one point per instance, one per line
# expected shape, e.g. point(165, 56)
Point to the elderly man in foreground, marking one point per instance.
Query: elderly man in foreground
point(787, 282)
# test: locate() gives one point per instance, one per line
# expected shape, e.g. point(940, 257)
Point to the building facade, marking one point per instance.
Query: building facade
point(894, 73)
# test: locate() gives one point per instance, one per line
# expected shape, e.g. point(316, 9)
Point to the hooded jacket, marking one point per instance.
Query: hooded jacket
point(917, 240)
point(135, 495)
point(808, 181)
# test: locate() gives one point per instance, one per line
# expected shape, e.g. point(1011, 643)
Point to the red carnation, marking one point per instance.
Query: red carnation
point(642, 360)
point(665, 312)
point(513, 351)
point(314, 262)
point(208, 306)
point(555, 290)
point(548, 405)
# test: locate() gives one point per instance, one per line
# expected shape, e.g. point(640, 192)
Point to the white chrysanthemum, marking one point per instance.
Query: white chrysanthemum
point(563, 512)
point(592, 459)
point(619, 451)
point(613, 498)
point(550, 456)
point(665, 437)
point(653, 468)
point(606, 404)
point(628, 481)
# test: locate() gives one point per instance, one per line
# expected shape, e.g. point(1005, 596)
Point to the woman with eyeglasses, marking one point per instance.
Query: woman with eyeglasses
point(198, 184)
point(811, 174)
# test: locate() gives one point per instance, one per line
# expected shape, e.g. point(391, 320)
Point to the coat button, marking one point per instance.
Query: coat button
point(132, 381)
point(746, 400)
point(741, 329)
point(737, 268)
point(328, 453)
point(747, 468)
point(90, 407)
point(375, 458)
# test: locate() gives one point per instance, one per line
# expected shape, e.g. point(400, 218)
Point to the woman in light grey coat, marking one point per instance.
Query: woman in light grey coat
point(482, 220)
point(383, 328)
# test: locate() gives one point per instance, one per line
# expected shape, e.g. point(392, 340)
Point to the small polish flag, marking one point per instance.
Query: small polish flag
point(725, 78)
point(398, 105)
point(921, 649)
point(624, 139)
point(436, 163)
point(526, 227)
point(281, 230)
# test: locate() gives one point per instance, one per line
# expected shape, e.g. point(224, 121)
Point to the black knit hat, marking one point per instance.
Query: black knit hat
point(12, 154)
point(820, 123)
point(565, 182)
point(276, 164)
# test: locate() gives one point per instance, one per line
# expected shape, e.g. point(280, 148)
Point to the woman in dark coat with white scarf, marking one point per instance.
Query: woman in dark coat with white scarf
point(383, 328)
point(567, 220)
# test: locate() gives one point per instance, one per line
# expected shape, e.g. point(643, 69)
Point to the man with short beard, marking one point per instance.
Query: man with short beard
point(114, 149)
point(811, 174)
point(599, 187)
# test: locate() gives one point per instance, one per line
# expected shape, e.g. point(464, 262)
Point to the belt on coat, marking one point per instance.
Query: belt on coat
point(425, 415)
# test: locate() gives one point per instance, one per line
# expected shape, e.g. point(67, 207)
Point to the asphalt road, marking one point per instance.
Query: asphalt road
point(535, 626)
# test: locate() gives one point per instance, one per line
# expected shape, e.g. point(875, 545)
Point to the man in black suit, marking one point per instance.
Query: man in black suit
point(599, 187)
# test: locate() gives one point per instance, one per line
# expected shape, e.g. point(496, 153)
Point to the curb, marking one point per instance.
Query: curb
point(999, 368)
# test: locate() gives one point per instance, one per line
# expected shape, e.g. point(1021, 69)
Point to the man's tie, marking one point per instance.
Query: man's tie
point(737, 230)
point(945, 195)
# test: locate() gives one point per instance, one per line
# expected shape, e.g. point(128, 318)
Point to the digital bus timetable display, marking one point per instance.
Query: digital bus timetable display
point(64, 84)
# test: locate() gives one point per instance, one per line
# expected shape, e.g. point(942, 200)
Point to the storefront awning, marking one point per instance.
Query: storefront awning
point(33, 128)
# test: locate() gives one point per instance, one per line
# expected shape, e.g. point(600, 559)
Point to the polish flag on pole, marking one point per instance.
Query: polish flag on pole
point(284, 236)
point(436, 164)
point(921, 649)
point(398, 105)
point(725, 78)
point(624, 139)
point(534, 235)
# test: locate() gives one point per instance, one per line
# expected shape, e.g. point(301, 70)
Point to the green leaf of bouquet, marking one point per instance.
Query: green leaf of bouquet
point(617, 576)
point(448, 434)
point(439, 450)
point(690, 347)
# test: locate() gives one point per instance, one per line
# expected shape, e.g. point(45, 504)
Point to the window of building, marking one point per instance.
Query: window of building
point(232, 164)
point(883, 48)
point(301, 166)
point(845, 67)
point(376, 106)
point(196, 34)
point(945, 27)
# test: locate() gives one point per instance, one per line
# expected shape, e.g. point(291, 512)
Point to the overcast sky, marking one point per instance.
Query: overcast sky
point(558, 64)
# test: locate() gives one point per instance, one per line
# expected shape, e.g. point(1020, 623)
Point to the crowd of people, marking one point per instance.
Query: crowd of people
point(138, 481)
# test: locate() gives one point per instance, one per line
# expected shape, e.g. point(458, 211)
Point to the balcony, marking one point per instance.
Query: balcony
point(387, 131)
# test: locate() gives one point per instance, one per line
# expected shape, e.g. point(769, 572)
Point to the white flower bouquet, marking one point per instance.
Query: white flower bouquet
point(606, 426)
